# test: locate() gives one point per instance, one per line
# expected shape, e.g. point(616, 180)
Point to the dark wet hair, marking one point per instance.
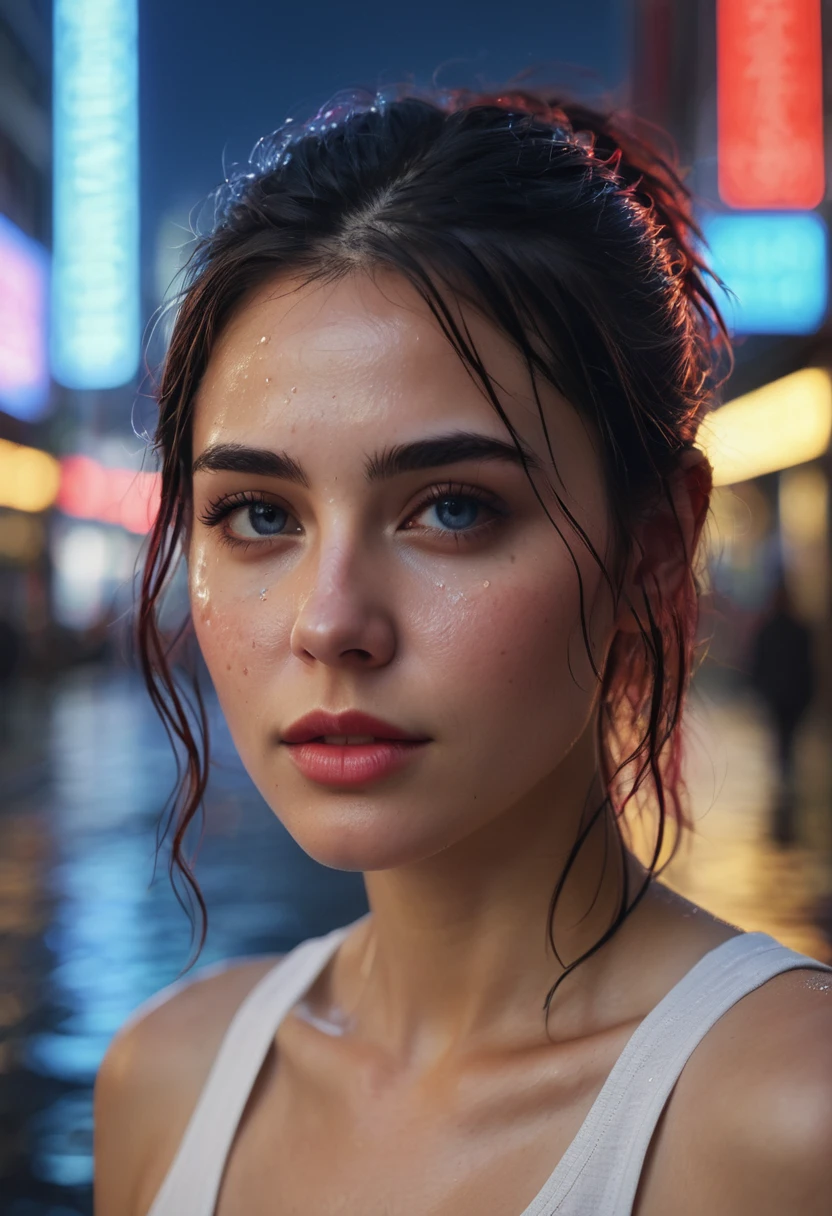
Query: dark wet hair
point(571, 233)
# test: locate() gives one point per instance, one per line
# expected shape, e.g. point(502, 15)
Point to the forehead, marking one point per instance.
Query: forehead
point(361, 355)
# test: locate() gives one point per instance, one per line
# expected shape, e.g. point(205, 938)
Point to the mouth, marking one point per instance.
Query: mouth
point(350, 749)
point(350, 728)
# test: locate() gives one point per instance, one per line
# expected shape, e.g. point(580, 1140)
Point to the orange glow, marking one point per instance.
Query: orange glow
point(770, 103)
point(113, 496)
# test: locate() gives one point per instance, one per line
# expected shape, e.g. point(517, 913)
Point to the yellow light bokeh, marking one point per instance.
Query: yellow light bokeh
point(29, 478)
point(782, 424)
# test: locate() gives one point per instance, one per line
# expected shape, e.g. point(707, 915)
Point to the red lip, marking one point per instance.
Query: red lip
point(351, 722)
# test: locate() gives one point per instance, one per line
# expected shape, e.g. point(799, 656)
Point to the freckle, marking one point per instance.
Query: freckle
point(486, 583)
point(245, 671)
point(502, 652)
point(513, 558)
point(228, 667)
point(253, 645)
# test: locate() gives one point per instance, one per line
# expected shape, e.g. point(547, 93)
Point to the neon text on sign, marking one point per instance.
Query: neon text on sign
point(95, 294)
point(775, 264)
point(770, 104)
point(24, 369)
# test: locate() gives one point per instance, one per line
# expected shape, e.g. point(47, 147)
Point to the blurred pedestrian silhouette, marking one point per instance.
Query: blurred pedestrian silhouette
point(783, 673)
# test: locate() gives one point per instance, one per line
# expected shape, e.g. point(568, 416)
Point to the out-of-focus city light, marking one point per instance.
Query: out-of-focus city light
point(785, 423)
point(89, 490)
point(91, 563)
point(24, 366)
point(803, 510)
point(770, 147)
point(95, 293)
point(29, 478)
point(776, 265)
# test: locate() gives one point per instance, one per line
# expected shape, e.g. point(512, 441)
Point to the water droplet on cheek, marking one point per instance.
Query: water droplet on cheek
point(486, 583)
point(294, 388)
point(263, 339)
point(267, 379)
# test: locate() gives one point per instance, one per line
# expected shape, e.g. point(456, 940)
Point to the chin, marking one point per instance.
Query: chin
point(351, 834)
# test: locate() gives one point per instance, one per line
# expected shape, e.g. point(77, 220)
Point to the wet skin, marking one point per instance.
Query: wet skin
point(419, 1073)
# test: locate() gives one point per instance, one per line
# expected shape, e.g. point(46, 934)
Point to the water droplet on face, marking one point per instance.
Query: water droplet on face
point(263, 593)
point(486, 583)
point(263, 339)
point(294, 388)
point(267, 379)
point(441, 586)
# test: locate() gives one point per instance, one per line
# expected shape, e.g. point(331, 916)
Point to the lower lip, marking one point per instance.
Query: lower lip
point(352, 764)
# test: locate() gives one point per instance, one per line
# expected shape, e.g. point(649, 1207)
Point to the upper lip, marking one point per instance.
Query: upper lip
point(350, 722)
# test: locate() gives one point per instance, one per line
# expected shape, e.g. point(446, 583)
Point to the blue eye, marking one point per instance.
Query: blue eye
point(258, 519)
point(458, 512)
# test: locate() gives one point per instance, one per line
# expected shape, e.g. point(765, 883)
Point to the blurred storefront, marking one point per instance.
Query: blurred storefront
point(27, 395)
point(740, 88)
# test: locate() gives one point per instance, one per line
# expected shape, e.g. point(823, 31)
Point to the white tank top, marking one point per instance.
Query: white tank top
point(598, 1173)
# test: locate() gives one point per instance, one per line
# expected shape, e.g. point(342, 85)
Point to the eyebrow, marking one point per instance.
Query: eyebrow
point(429, 453)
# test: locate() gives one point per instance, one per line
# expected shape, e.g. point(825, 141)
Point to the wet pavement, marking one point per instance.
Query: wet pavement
point(85, 936)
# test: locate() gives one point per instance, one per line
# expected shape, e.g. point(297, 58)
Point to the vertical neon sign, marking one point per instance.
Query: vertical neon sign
point(95, 283)
point(770, 104)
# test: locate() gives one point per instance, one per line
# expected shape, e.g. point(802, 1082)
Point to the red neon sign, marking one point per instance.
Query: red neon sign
point(113, 496)
point(770, 104)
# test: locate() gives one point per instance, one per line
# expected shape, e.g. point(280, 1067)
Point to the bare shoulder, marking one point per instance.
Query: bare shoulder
point(748, 1128)
point(150, 1079)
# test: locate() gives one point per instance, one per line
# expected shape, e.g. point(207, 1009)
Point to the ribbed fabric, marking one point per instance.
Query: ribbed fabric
point(600, 1170)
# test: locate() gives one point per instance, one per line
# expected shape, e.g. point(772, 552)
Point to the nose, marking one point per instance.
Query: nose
point(343, 620)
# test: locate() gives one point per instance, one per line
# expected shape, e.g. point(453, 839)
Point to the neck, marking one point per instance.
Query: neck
point(456, 954)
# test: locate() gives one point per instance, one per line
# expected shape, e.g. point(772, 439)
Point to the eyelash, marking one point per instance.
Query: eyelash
point(220, 510)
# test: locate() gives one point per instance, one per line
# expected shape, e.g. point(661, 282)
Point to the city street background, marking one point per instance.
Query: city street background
point(117, 121)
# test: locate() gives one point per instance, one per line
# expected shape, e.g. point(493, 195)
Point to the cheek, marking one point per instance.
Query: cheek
point(512, 659)
point(235, 626)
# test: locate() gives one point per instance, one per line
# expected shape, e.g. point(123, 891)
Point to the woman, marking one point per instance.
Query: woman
point(427, 425)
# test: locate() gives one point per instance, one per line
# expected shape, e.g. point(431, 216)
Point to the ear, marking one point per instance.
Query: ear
point(665, 541)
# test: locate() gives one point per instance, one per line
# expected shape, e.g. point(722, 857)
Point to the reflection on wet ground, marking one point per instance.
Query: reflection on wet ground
point(85, 938)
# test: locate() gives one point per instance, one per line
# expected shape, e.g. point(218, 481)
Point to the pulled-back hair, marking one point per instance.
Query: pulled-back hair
point(573, 235)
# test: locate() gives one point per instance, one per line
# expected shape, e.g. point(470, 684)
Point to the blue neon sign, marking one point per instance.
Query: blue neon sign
point(777, 266)
point(95, 332)
point(24, 368)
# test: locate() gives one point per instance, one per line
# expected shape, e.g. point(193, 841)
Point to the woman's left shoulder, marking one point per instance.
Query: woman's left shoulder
point(749, 1125)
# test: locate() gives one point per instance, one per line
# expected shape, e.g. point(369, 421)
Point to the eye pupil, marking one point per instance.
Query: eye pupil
point(457, 512)
point(265, 518)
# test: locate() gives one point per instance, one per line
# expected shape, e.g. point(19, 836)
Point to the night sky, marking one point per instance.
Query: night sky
point(216, 76)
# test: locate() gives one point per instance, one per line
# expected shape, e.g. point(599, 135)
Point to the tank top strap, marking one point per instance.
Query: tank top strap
point(600, 1170)
point(192, 1183)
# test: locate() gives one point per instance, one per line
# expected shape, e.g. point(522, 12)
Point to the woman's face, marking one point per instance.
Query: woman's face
point(363, 540)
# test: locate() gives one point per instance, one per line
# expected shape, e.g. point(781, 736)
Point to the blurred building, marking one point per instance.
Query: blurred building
point(741, 89)
point(26, 392)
